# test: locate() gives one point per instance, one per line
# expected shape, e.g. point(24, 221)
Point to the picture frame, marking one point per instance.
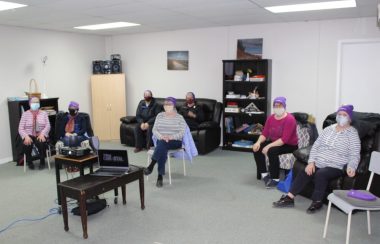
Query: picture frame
point(178, 60)
point(250, 48)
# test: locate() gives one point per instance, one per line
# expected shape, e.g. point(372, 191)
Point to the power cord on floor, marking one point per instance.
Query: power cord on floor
point(52, 211)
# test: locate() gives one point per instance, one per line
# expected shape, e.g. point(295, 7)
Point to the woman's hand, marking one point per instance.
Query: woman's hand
point(350, 172)
point(27, 140)
point(310, 169)
point(256, 147)
point(265, 149)
point(41, 138)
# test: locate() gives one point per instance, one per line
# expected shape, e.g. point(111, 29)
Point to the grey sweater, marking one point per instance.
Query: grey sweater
point(336, 149)
point(169, 126)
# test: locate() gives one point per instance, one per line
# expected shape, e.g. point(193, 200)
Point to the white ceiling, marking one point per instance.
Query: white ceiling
point(164, 15)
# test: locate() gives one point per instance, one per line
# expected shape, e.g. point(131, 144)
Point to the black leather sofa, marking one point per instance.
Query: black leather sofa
point(368, 126)
point(206, 137)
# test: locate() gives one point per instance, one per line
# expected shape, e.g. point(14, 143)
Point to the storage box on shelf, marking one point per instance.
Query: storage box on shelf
point(246, 100)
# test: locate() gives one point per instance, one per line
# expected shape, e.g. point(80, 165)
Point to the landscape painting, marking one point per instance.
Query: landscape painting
point(250, 48)
point(178, 60)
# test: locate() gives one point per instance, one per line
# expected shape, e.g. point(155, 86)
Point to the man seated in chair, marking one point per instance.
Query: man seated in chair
point(337, 146)
point(191, 112)
point(146, 113)
point(34, 129)
point(74, 125)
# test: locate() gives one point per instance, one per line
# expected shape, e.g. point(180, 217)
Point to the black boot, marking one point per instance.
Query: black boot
point(159, 181)
point(31, 165)
point(42, 165)
point(150, 168)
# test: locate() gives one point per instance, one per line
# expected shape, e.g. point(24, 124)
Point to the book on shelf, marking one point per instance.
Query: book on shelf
point(242, 144)
point(229, 124)
point(231, 110)
point(241, 128)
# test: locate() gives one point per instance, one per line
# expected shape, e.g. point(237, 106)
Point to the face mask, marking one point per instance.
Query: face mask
point(34, 106)
point(279, 111)
point(147, 99)
point(72, 112)
point(342, 120)
point(168, 108)
point(189, 101)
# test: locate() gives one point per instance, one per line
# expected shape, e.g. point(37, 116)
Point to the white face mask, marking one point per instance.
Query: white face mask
point(342, 120)
point(168, 108)
point(278, 111)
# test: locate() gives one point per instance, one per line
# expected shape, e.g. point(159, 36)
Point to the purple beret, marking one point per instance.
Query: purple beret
point(348, 108)
point(281, 100)
point(172, 100)
point(73, 104)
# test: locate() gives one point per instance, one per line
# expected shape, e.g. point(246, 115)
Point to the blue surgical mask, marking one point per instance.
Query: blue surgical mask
point(34, 106)
point(342, 120)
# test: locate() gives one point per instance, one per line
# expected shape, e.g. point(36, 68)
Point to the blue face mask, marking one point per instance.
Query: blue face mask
point(34, 106)
point(342, 120)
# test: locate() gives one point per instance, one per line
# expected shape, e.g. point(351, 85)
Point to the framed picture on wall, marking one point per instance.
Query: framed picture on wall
point(250, 48)
point(178, 60)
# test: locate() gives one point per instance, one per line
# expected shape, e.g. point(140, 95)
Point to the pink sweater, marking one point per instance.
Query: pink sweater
point(285, 128)
point(26, 124)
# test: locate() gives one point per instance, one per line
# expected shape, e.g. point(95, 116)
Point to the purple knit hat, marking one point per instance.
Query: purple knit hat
point(348, 108)
point(172, 100)
point(281, 100)
point(73, 104)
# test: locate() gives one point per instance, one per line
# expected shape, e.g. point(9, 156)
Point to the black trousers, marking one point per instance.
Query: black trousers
point(41, 146)
point(321, 177)
point(274, 161)
point(143, 138)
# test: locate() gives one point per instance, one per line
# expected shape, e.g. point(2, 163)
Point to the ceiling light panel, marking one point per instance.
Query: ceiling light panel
point(312, 6)
point(106, 26)
point(9, 5)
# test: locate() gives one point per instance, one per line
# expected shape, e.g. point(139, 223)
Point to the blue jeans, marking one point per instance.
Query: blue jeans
point(161, 153)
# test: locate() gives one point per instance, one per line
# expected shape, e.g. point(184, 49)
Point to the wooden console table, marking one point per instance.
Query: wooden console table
point(88, 186)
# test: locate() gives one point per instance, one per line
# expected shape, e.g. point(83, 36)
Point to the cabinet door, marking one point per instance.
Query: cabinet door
point(100, 106)
point(117, 105)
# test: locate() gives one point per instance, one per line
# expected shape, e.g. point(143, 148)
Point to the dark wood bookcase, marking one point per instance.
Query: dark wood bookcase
point(262, 67)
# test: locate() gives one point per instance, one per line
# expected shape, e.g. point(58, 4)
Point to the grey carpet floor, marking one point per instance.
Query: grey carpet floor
point(219, 201)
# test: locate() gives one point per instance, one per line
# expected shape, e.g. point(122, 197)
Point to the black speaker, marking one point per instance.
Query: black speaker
point(97, 67)
point(115, 66)
point(106, 67)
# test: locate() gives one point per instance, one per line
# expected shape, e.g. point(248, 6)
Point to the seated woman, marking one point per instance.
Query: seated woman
point(34, 128)
point(169, 129)
point(337, 146)
point(191, 112)
point(146, 113)
point(74, 125)
point(278, 137)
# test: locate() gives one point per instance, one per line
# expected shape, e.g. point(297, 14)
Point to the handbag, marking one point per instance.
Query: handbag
point(34, 93)
point(285, 184)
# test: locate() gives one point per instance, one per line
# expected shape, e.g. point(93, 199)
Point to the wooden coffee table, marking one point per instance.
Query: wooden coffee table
point(88, 186)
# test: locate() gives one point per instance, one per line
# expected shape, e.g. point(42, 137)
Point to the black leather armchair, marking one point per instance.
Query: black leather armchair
point(206, 137)
point(368, 126)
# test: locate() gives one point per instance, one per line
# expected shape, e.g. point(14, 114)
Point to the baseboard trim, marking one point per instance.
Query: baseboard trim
point(6, 160)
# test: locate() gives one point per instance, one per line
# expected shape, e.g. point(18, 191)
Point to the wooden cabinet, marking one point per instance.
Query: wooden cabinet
point(108, 104)
point(242, 107)
point(15, 110)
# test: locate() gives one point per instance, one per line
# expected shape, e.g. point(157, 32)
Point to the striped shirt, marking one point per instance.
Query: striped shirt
point(169, 126)
point(26, 124)
point(336, 148)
